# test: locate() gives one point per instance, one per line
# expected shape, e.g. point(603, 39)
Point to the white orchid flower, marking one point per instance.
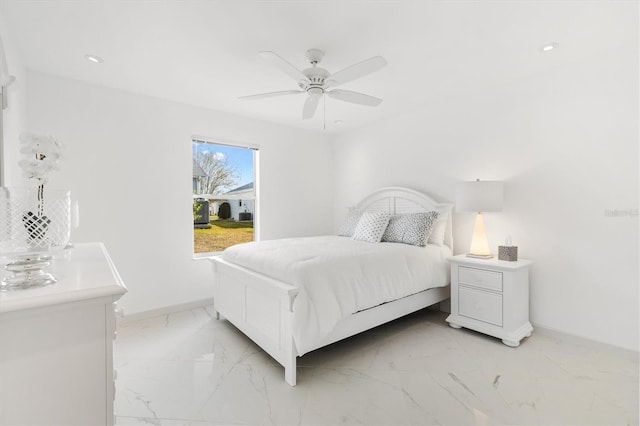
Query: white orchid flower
point(43, 153)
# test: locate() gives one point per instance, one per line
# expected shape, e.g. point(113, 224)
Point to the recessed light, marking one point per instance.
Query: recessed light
point(338, 122)
point(549, 46)
point(93, 58)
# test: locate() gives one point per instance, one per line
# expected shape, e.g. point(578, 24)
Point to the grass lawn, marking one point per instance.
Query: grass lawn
point(223, 233)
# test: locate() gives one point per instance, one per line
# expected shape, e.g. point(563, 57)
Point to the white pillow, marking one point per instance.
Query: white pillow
point(410, 228)
point(439, 228)
point(350, 222)
point(371, 226)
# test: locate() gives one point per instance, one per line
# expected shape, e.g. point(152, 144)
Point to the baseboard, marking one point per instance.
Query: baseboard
point(166, 310)
point(585, 341)
point(444, 306)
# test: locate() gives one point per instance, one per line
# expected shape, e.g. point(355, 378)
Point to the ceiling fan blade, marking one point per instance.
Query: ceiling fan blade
point(356, 71)
point(310, 106)
point(354, 97)
point(271, 94)
point(283, 65)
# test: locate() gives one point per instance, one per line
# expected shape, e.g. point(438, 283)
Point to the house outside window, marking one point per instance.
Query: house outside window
point(198, 175)
point(242, 211)
point(224, 194)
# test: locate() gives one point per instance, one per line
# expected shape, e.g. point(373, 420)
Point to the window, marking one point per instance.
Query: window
point(224, 194)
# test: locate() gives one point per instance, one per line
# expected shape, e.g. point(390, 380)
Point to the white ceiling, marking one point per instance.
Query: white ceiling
point(205, 52)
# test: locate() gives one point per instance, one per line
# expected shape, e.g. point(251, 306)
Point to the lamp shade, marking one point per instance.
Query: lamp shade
point(479, 196)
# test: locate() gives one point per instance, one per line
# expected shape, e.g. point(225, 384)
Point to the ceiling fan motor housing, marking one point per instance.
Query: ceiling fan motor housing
point(316, 76)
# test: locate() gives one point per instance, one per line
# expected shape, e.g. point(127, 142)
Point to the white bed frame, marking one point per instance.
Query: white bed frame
point(262, 307)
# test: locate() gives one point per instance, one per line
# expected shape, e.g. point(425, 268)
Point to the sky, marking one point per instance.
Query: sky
point(240, 158)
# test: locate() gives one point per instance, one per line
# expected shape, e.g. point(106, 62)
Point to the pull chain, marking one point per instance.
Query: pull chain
point(324, 112)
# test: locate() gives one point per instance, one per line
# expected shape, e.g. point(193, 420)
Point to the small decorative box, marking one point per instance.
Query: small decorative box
point(508, 253)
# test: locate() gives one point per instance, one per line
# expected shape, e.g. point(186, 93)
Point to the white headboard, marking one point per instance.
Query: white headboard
point(396, 199)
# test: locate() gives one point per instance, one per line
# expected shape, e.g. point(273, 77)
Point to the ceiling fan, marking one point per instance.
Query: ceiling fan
point(316, 81)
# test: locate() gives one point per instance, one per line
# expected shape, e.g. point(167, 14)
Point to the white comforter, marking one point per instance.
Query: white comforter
point(338, 276)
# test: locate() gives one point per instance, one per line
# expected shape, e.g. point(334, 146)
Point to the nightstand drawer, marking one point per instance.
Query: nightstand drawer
point(480, 278)
point(480, 305)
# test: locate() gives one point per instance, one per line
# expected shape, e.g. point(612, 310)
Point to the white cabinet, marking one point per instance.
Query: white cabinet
point(491, 296)
point(56, 344)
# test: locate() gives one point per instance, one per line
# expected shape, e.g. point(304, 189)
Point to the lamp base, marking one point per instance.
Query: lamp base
point(479, 248)
point(480, 256)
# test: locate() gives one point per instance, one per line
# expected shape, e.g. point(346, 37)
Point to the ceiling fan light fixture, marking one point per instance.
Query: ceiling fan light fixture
point(315, 92)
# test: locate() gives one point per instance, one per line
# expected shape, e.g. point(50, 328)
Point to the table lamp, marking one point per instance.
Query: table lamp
point(479, 196)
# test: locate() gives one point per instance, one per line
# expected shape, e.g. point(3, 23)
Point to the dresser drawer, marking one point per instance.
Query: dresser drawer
point(480, 278)
point(480, 305)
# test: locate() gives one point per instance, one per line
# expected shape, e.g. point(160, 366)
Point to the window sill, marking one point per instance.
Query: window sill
point(206, 256)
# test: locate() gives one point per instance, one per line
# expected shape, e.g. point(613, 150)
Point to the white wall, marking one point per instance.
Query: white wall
point(14, 116)
point(126, 154)
point(566, 145)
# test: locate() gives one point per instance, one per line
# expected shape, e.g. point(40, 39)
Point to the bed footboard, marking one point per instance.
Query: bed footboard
point(260, 307)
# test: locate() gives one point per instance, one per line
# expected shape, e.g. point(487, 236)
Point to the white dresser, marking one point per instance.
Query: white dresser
point(491, 296)
point(56, 343)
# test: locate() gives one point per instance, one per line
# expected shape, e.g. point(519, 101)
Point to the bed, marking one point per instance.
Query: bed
point(290, 296)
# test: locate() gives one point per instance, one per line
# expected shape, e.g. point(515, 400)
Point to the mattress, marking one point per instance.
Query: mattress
point(338, 276)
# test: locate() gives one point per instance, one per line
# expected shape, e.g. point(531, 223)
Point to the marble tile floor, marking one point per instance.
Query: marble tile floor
point(188, 368)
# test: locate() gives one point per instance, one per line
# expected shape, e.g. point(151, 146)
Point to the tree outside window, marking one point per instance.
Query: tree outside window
point(224, 195)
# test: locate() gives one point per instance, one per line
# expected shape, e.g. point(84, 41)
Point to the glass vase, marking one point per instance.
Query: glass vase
point(34, 224)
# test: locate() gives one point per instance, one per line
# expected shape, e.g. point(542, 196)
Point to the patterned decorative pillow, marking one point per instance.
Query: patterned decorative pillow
point(410, 228)
point(371, 226)
point(350, 222)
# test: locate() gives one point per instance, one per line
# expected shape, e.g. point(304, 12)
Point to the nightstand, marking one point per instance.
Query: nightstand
point(491, 296)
